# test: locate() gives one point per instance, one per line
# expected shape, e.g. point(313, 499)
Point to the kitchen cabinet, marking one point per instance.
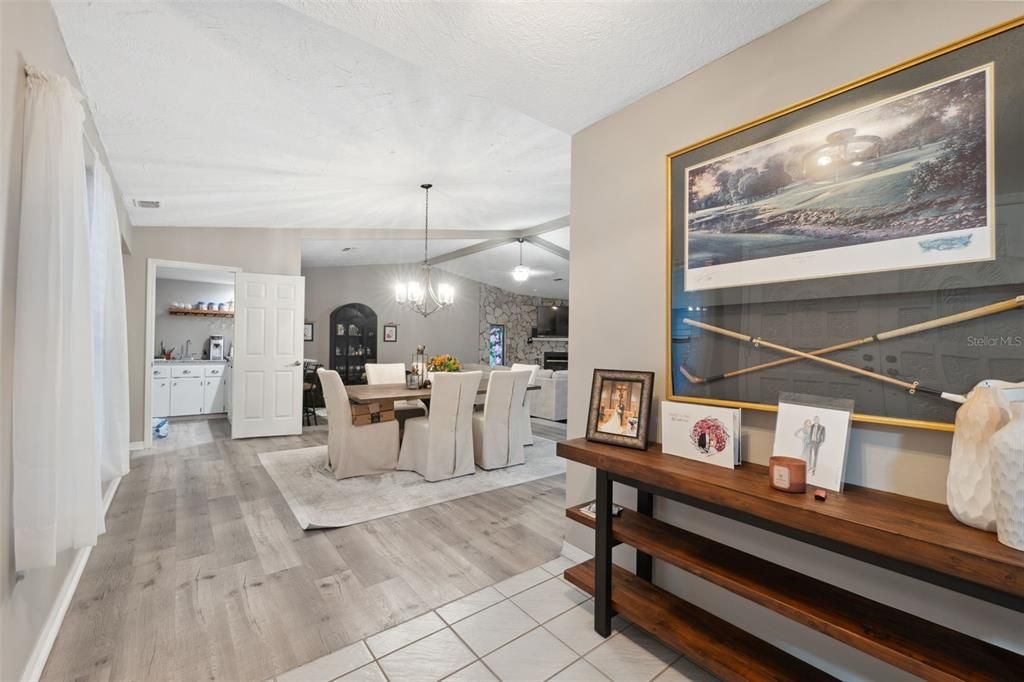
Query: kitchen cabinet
point(213, 395)
point(186, 396)
point(188, 389)
point(161, 394)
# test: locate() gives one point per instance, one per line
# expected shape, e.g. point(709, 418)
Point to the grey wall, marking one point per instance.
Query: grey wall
point(272, 251)
point(451, 331)
point(29, 33)
point(618, 188)
point(174, 330)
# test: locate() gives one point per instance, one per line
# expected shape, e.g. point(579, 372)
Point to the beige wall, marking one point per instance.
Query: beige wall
point(253, 250)
point(452, 331)
point(28, 34)
point(618, 185)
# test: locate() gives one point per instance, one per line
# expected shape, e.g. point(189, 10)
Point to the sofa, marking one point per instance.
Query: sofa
point(551, 401)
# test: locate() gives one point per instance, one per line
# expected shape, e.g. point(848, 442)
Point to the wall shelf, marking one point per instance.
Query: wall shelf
point(201, 313)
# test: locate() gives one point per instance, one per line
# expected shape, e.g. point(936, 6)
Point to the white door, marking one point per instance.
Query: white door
point(266, 376)
point(186, 396)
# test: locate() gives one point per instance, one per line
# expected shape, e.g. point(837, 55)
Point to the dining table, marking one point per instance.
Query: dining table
point(373, 393)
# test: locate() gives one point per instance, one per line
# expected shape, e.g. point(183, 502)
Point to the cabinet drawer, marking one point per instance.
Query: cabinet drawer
point(187, 371)
point(161, 372)
point(213, 370)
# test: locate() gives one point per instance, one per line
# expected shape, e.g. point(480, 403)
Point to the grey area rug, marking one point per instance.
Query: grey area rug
point(318, 500)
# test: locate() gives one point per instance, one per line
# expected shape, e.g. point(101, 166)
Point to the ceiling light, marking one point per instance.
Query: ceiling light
point(414, 293)
point(520, 273)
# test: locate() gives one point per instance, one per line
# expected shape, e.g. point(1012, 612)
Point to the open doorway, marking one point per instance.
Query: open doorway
point(190, 337)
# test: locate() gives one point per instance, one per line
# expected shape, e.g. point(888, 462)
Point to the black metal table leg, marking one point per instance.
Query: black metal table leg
point(644, 563)
point(603, 557)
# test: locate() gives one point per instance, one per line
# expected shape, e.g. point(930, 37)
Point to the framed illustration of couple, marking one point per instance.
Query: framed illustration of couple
point(817, 430)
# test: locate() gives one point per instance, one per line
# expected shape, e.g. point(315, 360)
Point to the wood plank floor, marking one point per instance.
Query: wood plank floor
point(204, 574)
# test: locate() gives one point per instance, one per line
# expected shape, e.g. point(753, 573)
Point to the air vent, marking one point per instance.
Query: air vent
point(146, 203)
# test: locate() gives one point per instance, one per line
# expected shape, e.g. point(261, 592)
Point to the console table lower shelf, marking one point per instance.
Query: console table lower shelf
point(910, 536)
point(712, 643)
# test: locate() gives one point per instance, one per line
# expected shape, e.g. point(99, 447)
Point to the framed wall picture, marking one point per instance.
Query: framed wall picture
point(873, 226)
point(620, 407)
point(390, 333)
point(307, 331)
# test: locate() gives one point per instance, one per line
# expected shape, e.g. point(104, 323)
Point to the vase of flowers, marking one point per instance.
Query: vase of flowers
point(442, 363)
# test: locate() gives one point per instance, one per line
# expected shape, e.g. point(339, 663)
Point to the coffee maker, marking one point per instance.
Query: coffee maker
point(216, 347)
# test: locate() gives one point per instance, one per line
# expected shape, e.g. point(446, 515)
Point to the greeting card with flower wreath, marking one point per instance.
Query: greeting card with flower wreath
point(700, 432)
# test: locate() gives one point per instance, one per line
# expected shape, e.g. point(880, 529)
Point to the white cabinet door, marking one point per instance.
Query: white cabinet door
point(227, 392)
point(161, 396)
point(266, 380)
point(186, 396)
point(213, 395)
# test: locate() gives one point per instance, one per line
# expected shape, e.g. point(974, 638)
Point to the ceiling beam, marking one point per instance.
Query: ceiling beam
point(470, 250)
point(549, 226)
point(549, 247)
point(348, 233)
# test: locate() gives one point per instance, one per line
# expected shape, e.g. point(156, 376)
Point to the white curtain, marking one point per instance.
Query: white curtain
point(109, 329)
point(56, 483)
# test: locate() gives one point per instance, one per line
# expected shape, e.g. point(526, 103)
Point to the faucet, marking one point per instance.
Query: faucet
point(188, 354)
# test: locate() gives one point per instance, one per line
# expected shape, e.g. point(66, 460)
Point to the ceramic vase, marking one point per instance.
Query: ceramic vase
point(969, 483)
point(1008, 478)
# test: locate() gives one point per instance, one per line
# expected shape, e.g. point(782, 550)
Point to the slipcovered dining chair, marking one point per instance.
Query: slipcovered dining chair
point(441, 446)
point(524, 418)
point(393, 373)
point(355, 450)
point(497, 431)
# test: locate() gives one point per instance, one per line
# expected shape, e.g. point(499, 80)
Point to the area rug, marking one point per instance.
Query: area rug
point(318, 500)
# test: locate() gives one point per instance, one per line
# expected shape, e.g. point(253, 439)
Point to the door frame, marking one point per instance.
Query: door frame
point(147, 372)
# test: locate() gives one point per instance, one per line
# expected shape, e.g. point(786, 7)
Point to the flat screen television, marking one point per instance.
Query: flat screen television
point(552, 321)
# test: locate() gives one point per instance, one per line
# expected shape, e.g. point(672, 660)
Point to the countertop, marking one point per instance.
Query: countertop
point(190, 362)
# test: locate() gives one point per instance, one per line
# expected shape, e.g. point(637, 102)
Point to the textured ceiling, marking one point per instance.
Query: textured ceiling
point(330, 114)
point(332, 252)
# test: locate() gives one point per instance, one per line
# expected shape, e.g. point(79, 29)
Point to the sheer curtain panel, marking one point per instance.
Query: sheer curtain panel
point(109, 329)
point(56, 472)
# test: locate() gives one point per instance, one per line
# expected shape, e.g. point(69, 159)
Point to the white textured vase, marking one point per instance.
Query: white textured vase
point(969, 484)
point(1008, 478)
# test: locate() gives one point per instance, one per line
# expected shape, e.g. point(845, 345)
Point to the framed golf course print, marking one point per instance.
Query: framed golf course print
point(866, 244)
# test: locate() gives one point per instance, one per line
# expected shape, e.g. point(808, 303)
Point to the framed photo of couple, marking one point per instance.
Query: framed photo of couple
point(620, 407)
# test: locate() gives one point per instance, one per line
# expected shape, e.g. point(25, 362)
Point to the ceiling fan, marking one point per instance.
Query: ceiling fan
point(521, 273)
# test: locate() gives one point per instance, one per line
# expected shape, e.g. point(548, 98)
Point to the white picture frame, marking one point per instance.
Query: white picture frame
point(817, 430)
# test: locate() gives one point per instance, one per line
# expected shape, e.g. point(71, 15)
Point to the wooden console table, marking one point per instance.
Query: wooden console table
point(907, 535)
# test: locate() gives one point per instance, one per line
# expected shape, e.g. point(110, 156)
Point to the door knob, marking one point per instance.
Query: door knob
point(298, 363)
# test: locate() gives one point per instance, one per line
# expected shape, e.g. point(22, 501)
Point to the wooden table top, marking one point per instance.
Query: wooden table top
point(913, 531)
point(364, 394)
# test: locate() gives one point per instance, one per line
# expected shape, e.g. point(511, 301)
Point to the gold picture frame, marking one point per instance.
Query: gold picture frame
point(768, 407)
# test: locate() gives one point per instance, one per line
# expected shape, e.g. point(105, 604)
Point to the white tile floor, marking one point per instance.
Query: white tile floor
point(532, 627)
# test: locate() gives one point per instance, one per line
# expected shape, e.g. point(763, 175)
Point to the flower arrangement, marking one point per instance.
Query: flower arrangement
point(444, 363)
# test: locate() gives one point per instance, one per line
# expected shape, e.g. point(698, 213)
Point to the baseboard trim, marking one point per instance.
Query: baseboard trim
point(137, 445)
point(41, 651)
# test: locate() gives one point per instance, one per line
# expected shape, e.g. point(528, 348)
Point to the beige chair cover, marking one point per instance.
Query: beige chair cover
point(497, 432)
point(355, 450)
point(441, 446)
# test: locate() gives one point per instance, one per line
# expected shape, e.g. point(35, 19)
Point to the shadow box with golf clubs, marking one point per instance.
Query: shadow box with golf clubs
point(865, 244)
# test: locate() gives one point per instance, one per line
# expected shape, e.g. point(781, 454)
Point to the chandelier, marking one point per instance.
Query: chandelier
point(520, 273)
point(415, 293)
